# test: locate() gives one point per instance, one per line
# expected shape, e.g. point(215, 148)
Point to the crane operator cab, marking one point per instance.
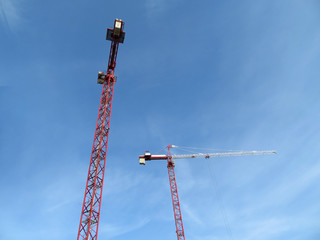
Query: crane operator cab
point(101, 77)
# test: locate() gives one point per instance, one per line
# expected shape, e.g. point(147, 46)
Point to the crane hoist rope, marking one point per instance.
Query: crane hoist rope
point(219, 199)
point(209, 149)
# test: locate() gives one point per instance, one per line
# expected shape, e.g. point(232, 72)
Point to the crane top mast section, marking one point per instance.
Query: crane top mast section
point(116, 36)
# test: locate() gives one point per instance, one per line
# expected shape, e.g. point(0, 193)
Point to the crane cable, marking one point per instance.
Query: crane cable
point(215, 189)
point(220, 202)
point(210, 149)
point(188, 149)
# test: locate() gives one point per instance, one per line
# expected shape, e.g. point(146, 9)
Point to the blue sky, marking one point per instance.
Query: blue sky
point(241, 75)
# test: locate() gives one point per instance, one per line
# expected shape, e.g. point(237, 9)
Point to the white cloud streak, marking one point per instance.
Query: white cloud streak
point(191, 214)
point(266, 229)
point(113, 230)
point(293, 184)
point(157, 7)
point(10, 13)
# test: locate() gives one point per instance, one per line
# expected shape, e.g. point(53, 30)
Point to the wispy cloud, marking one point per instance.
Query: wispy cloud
point(113, 230)
point(10, 13)
point(156, 7)
point(191, 214)
point(293, 184)
point(119, 181)
point(267, 228)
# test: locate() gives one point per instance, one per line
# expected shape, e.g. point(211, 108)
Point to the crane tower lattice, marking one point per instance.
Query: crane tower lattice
point(90, 214)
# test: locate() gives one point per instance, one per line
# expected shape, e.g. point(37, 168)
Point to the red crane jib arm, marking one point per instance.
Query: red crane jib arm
point(150, 157)
point(90, 214)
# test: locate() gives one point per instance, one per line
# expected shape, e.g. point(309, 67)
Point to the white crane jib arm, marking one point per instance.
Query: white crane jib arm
point(148, 157)
point(225, 154)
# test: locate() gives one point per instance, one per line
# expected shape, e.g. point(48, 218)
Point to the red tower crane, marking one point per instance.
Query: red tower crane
point(90, 214)
point(172, 178)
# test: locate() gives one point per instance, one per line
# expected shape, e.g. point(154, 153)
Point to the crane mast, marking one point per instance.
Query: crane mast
point(90, 214)
point(172, 178)
point(175, 197)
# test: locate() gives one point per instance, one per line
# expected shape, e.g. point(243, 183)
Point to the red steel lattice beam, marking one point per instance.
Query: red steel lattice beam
point(175, 197)
point(90, 214)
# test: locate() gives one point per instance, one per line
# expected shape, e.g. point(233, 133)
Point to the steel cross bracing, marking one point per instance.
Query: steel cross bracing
point(175, 198)
point(90, 214)
point(89, 221)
